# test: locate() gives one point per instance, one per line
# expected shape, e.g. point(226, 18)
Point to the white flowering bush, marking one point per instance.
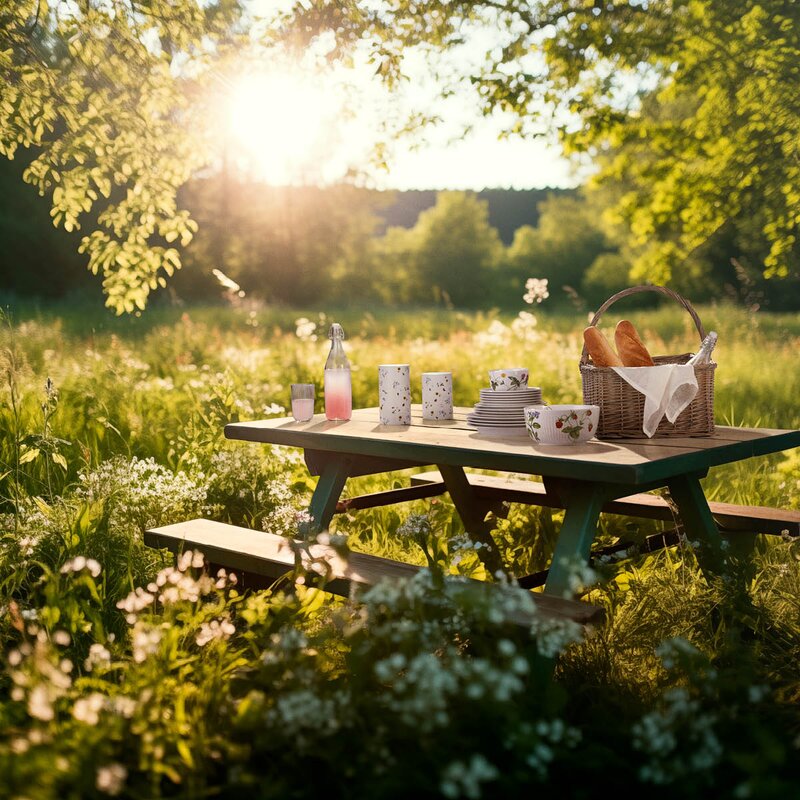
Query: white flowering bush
point(253, 486)
point(140, 494)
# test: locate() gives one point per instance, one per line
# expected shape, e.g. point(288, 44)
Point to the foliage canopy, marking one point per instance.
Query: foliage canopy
point(691, 106)
point(688, 108)
point(106, 93)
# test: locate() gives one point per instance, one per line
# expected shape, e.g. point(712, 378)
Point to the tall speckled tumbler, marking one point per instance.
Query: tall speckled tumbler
point(394, 394)
point(437, 395)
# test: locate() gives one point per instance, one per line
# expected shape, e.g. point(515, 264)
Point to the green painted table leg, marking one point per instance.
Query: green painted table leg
point(326, 495)
point(582, 503)
point(698, 522)
point(473, 515)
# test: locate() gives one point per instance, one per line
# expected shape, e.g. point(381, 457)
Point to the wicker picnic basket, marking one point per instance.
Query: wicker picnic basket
point(622, 407)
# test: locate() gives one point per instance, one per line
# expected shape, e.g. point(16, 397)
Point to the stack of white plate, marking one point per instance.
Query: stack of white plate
point(501, 413)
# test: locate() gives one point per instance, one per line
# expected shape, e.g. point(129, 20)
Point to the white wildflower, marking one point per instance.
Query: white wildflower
point(524, 327)
point(80, 563)
point(144, 641)
point(40, 705)
point(190, 558)
point(87, 709)
point(135, 602)
point(216, 629)
point(496, 335)
point(461, 779)
point(124, 706)
point(98, 657)
point(27, 544)
point(61, 638)
point(139, 493)
point(305, 329)
point(536, 290)
point(111, 779)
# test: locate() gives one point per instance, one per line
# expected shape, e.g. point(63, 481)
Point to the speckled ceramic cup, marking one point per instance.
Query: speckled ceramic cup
point(437, 395)
point(394, 394)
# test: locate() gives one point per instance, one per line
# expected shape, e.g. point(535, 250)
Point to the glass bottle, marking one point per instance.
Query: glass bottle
point(338, 387)
point(703, 355)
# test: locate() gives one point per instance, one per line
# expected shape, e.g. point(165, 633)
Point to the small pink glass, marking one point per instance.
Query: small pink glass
point(302, 401)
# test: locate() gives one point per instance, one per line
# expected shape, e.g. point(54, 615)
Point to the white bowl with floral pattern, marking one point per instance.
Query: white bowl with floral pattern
point(561, 424)
point(508, 379)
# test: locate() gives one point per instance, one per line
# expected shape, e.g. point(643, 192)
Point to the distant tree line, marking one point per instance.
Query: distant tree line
point(300, 245)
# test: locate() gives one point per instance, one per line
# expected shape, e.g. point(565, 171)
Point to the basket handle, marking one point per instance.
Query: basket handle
point(645, 288)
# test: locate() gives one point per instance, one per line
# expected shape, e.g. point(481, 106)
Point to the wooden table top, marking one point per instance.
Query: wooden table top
point(630, 461)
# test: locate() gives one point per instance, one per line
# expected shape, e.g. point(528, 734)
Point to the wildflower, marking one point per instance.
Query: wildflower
point(98, 657)
point(124, 706)
point(416, 527)
point(496, 335)
point(26, 545)
point(87, 709)
point(305, 329)
point(135, 602)
point(39, 704)
point(61, 638)
point(111, 779)
point(139, 493)
point(536, 290)
point(464, 780)
point(144, 641)
point(190, 558)
point(524, 327)
point(216, 629)
point(80, 563)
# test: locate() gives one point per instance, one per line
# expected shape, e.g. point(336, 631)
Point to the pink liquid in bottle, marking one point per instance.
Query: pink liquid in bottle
point(338, 394)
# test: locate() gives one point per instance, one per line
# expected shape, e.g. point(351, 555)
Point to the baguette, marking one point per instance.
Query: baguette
point(630, 347)
point(600, 350)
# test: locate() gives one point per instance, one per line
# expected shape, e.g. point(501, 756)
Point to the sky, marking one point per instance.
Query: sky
point(288, 123)
point(288, 127)
point(480, 160)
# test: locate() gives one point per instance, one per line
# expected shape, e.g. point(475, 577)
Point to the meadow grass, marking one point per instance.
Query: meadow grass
point(113, 425)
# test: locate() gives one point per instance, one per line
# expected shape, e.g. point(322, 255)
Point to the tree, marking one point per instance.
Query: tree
point(450, 255)
point(106, 92)
point(293, 244)
point(562, 247)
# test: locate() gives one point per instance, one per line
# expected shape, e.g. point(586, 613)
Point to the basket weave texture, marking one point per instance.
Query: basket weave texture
point(622, 407)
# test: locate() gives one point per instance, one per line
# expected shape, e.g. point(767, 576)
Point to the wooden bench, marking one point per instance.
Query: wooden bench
point(261, 558)
point(729, 518)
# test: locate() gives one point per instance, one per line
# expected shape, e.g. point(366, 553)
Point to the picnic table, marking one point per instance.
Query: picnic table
point(583, 479)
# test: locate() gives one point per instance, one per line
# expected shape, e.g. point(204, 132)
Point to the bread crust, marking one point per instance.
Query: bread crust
point(601, 352)
point(630, 347)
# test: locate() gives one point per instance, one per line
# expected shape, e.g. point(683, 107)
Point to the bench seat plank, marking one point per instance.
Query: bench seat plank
point(729, 517)
point(269, 555)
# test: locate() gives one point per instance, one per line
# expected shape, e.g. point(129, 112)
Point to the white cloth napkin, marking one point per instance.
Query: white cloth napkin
point(667, 388)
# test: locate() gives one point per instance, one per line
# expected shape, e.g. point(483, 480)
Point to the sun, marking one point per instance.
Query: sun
point(282, 126)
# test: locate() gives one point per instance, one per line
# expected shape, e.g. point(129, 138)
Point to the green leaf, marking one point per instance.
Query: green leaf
point(29, 454)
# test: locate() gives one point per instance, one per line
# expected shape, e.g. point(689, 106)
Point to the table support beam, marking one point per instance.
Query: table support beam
point(473, 513)
point(582, 503)
point(698, 522)
point(326, 494)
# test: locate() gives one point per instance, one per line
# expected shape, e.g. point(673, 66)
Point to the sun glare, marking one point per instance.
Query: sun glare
point(281, 126)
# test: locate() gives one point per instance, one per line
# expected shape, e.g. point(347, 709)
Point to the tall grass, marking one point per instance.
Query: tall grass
point(110, 426)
